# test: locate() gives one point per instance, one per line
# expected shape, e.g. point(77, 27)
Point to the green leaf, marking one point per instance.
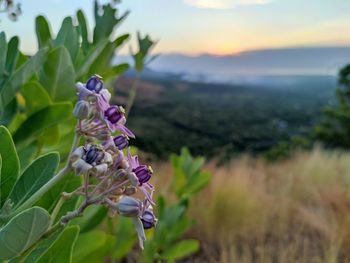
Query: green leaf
point(19, 77)
point(10, 163)
point(36, 97)
point(57, 75)
point(93, 216)
point(51, 197)
point(116, 70)
point(34, 177)
point(0, 174)
point(3, 50)
point(126, 238)
point(181, 250)
point(68, 37)
point(106, 20)
point(41, 120)
point(21, 59)
point(121, 40)
point(42, 247)
point(83, 30)
point(27, 154)
point(22, 231)
point(198, 183)
point(12, 55)
point(9, 114)
point(87, 244)
point(62, 249)
point(90, 58)
point(103, 61)
point(43, 32)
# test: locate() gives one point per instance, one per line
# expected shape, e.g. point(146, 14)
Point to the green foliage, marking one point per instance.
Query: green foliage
point(188, 178)
point(23, 231)
point(92, 247)
point(37, 123)
point(62, 249)
point(124, 245)
point(43, 32)
point(10, 164)
point(36, 95)
point(180, 250)
point(144, 44)
point(203, 117)
point(173, 222)
point(34, 177)
point(334, 129)
point(12, 83)
point(57, 75)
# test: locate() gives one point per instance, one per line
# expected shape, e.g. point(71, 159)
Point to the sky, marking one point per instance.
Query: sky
point(206, 26)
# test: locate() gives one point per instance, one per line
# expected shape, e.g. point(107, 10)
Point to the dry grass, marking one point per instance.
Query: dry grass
point(292, 211)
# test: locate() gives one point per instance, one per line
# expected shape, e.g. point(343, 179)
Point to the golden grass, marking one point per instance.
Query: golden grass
point(297, 210)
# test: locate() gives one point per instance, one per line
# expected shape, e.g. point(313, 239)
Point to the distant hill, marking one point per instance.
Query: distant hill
point(246, 65)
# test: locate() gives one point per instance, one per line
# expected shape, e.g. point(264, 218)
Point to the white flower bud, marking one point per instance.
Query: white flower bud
point(128, 206)
point(81, 167)
point(81, 109)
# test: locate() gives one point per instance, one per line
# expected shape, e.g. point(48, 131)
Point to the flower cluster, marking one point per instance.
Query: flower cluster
point(111, 174)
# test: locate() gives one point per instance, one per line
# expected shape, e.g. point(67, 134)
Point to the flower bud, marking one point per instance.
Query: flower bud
point(121, 174)
point(114, 114)
point(95, 84)
point(129, 190)
point(103, 135)
point(143, 173)
point(133, 179)
point(94, 155)
point(148, 219)
point(128, 206)
point(81, 109)
point(121, 141)
point(81, 167)
point(100, 169)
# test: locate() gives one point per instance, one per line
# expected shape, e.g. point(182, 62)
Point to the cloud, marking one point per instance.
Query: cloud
point(223, 4)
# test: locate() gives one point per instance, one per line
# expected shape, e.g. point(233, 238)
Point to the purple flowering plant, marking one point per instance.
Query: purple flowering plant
point(111, 174)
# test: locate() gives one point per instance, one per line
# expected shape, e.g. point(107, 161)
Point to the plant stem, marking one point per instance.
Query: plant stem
point(57, 209)
point(132, 95)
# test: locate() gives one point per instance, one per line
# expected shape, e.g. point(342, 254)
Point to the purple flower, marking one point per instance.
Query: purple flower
point(93, 155)
point(121, 141)
point(95, 84)
point(143, 173)
point(115, 120)
point(148, 219)
point(114, 114)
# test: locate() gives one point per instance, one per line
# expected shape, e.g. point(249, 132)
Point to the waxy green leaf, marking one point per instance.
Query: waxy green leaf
point(41, 120)
point(34, 177)
point(62, 249)
point(12, 55)
point(43, 32)
point(20, 77)
point(57, 75)
point(68, 37)
point(10, 164)
point(181, 249)
point(36, 97)
point(83, 30)
point(22, 231)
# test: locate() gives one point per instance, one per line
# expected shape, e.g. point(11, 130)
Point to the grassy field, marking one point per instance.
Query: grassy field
point(297, 210)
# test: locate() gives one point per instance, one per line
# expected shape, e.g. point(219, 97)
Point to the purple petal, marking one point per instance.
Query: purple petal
point(123, 129)
point(133, 160)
